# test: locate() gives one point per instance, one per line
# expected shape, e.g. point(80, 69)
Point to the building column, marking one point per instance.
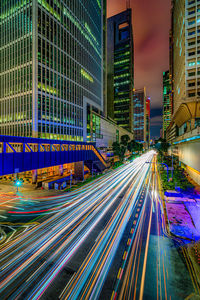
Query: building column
point(61, 170)
point(79, 170)
point(34, 176)
point(192, 124)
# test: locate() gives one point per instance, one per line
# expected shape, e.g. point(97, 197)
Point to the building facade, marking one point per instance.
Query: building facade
point(167, 105)
point(178, 52)
point(186, 50)
point(104, 131)
point(139, 120)
point(148, 111)
point(51, 67)
point(171, 63)
point(120, 68)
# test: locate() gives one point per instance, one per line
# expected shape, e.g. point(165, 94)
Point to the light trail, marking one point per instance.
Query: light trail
point(26, 264)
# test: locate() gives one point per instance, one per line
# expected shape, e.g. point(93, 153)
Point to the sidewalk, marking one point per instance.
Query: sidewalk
point(183, 211)
point(26, 190)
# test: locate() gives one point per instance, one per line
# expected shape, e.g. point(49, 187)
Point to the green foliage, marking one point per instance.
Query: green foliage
point(119, 149)
point(124, 140)
point(162, 145)
point(179, 177)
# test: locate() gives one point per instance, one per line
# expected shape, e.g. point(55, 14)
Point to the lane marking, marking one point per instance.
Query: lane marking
point(4, 217)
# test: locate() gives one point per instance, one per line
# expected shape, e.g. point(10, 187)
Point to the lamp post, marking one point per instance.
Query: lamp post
point(167, 170)
point(18, 184)
point(70, 178)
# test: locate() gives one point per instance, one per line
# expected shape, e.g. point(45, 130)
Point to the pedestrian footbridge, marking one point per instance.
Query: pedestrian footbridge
point(20, 154)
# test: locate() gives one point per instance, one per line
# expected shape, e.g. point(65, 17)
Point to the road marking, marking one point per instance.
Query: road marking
point(128, 242)
point(9, 206)
point(125, 255)
point(119, 272)
point(4, 217)
point(145, 257)
point(114, 295)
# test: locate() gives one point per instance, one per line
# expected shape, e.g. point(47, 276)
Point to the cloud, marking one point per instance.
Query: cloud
point(156, 121)
point(151, 24)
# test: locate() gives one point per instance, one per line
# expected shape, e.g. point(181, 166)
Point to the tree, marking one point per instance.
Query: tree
point(162, 145)
point(119, 150)
point(124, 139)
point(140, 147)
point(116, 148)
point(131, 146)
point(134, 146)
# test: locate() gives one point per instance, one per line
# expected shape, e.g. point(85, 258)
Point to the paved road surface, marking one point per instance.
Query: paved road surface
point(104, 241)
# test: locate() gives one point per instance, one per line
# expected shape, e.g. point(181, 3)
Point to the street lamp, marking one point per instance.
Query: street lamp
point(18, 183)
point(70, 178)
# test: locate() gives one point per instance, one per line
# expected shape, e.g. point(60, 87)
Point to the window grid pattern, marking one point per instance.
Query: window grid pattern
point(68, 67)
point(16, 67)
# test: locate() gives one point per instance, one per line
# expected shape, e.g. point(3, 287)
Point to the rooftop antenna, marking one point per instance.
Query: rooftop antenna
point(128, 4)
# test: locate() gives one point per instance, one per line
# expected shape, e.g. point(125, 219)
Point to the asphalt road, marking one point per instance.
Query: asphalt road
point(104, 241)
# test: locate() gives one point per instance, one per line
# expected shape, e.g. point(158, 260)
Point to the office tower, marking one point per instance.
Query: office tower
point(148, 121)
point(167, 107)
point(51, 66)
point(186, 29)
point(120, 69)
point(139, 121)
point(171, 62)
point(105, 58)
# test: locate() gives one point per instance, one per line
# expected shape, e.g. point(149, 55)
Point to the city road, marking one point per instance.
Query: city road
point(106, 240)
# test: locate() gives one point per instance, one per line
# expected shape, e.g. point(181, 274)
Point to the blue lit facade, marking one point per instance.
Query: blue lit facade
point(21, 154)
point(51, 66)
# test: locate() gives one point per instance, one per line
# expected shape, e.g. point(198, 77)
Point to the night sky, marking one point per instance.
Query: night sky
point(151, 24)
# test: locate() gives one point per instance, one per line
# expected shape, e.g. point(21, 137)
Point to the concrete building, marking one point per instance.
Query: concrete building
point(104, 131)
point(183, 131)
point(120, 68)
point(167, 105)
point(140, 116)
point(184, 135)
point(51, 67)
point(186, 50)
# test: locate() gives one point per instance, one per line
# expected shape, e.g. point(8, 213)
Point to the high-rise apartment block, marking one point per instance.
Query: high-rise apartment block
point(51, 66)
point(186, 49)
point(120, 69)
point(183, 130)
point(167, 105)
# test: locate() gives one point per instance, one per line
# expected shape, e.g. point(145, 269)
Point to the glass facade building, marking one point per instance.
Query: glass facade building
point(51, 66)
point(167, 105)
point(139, 120)
point(120, 69)
point(148, 110)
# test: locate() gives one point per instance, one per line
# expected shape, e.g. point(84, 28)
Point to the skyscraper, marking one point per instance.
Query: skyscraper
point(148, 103)
point(51, 66)
point(167, 105)
point(120, 69)
point(171, 62)
point(139, 121)
point(186, 49)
